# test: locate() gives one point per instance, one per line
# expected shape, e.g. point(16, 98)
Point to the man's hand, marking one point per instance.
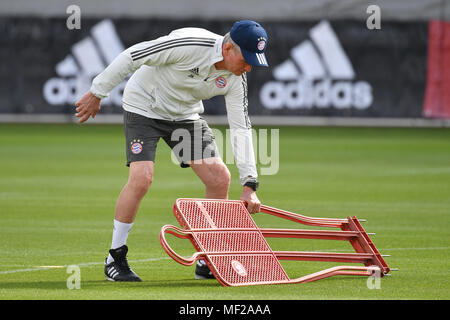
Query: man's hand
point(249, 196)
point(88, 105)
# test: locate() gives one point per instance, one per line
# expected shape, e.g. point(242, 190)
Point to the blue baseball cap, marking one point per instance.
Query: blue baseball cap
point(252, 39)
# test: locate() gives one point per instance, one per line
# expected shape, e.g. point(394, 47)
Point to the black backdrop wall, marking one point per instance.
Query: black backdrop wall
point(319, 68)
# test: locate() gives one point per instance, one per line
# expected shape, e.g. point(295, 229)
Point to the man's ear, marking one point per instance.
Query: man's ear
point(227, 47)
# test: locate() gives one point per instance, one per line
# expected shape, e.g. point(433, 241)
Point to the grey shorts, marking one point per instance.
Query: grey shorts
point(189, 140)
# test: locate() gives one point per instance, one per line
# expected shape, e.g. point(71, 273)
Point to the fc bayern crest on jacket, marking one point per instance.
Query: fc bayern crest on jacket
point(221, 82)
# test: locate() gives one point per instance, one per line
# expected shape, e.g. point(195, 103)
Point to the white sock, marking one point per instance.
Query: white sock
point(120, 235)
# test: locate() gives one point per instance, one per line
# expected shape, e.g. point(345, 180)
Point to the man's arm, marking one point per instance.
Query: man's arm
point(115, 73)
point(125, 63)
point(242, 142)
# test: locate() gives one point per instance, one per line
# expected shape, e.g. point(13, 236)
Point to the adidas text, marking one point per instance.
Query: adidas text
point(318, 74)
point(306, 94)
point(87, 58)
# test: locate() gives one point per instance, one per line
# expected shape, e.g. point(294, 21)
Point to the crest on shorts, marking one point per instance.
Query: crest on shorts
point(221, 82)
point(136, 146)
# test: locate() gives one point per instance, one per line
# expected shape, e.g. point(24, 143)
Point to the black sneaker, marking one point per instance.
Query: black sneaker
point(119, 270)
point(202, 271)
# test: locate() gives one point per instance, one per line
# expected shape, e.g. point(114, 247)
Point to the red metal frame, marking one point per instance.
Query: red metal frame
point(226, 234)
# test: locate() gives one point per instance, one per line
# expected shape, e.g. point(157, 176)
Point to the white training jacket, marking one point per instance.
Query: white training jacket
point(172, 75)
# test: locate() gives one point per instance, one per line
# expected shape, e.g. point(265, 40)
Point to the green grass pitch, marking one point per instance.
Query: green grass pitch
point(59, 185)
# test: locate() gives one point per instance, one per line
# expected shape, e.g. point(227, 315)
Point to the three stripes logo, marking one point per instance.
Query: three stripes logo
point(112, 272)
point(195, 71)
point(318, 74)
point(180, 42)
point(88, 58)
point(261, 58)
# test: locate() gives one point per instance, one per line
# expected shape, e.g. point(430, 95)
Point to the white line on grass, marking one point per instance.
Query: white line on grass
point(89, 264)
point(86, 264)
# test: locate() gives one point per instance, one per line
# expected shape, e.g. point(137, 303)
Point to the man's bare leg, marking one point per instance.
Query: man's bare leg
point(139, 181)
point(215, 175)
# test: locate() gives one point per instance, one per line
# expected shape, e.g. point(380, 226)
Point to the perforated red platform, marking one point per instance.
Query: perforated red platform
point(236, 251)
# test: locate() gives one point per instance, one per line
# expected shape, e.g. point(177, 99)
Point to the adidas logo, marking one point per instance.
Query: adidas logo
point(88, 58)
point(194, 71)
point(319, 74)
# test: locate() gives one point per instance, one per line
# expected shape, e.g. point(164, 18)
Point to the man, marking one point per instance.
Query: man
point(172, 75)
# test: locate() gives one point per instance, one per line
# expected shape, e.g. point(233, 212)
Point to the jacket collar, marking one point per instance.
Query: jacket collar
point(217, 53)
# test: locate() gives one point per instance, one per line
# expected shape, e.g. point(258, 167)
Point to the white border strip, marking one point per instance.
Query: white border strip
point(256, 120)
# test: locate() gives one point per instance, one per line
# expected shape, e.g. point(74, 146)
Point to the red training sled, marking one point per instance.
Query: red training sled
point(236, 251)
